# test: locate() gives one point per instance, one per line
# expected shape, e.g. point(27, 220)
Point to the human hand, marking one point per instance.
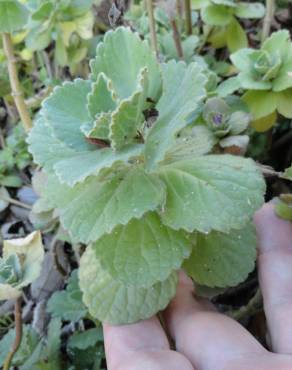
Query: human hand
point(206, 339)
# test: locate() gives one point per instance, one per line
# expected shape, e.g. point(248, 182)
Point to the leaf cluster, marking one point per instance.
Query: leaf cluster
point(121, 181)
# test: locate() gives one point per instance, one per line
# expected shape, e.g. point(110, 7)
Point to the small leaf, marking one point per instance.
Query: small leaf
point(32, 250)
point(184, 89)
point(265, 123)
point(84, 340)
point(223, 260)
point(102, 96)
point(250, 10)
point(260, 103)
point(142, 252)
point(211, 193)
point(67, 304)
point(13, 16)
point(112, 302)
point(228, 87)
point(236, 36)
point(216, 15)
point(284, 103)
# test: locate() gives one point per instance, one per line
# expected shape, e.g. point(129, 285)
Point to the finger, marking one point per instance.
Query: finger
point(275, 272)
point(207, 338)
point(141, 346)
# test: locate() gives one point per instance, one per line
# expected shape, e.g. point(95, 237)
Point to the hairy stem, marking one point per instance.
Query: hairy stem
point(14, 82)
point(188, 15)
point(176, 37)
point(270, 10)
point(150, 11)
point(18, 334)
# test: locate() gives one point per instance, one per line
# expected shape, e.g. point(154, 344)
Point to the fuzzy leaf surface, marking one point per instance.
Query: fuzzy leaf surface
point(110, 301)
point(184, 89)
point(142, 252)
point(120, 57)
point(95, 207)
point(211, 193)
point(223, 260)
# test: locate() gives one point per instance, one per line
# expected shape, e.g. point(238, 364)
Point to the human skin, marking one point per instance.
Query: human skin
point(204, 338)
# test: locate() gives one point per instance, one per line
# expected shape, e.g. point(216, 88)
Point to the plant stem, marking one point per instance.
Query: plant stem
point(188, 15)
point(176, 37)
point(14, 82)
point(270, 10)
point(150, 11)
point(16, 202)
point(18, 334)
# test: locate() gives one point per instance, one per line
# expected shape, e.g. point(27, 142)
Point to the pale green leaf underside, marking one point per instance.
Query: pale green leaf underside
point(223, 260)
point(142, 252)
point(112, 302)
point(95, 207)
point(120, 57)
point(211, 193)
point(183, 89)
point(99, 128)
point(13, 16)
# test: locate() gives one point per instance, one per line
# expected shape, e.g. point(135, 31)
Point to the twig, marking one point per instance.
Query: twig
point(188, 15)
point(150, 11)
point(269, 17)
point(18, 334)
point(14, 82)
point(176, 37)
point(15, 202)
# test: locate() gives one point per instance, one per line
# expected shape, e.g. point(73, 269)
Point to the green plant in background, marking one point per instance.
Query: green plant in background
point(225, 122)
point(223, 28)
point(266, 75)
point(69, 23)
point(14, 157)
point(20, 264)
point(122, 183)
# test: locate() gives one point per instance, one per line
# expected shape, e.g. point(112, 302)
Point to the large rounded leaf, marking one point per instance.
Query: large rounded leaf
point(211, 192)
point(142, 252)
point(223, 260)
point(110, 301)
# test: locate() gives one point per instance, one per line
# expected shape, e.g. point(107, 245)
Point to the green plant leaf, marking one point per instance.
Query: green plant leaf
point(95, 207)
point(65, 112)
point(121, 56)
point(260, 103)
point(112, 302)
point(85, 339)
point(223, 260)
point(264, 123)
point(278, 43)
point(211, 193)
point(142, 252)
point(45, 147)
point(241, 59)
point(79, 166)
point(183, 91)
point(228, 87)
point(236, 36)
point(249, 10)
point(67, 304)
point(31, 251)
point(216, 15)
point(284, 103)
point(128, 117)
point(13, 16)
point(102, 96)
